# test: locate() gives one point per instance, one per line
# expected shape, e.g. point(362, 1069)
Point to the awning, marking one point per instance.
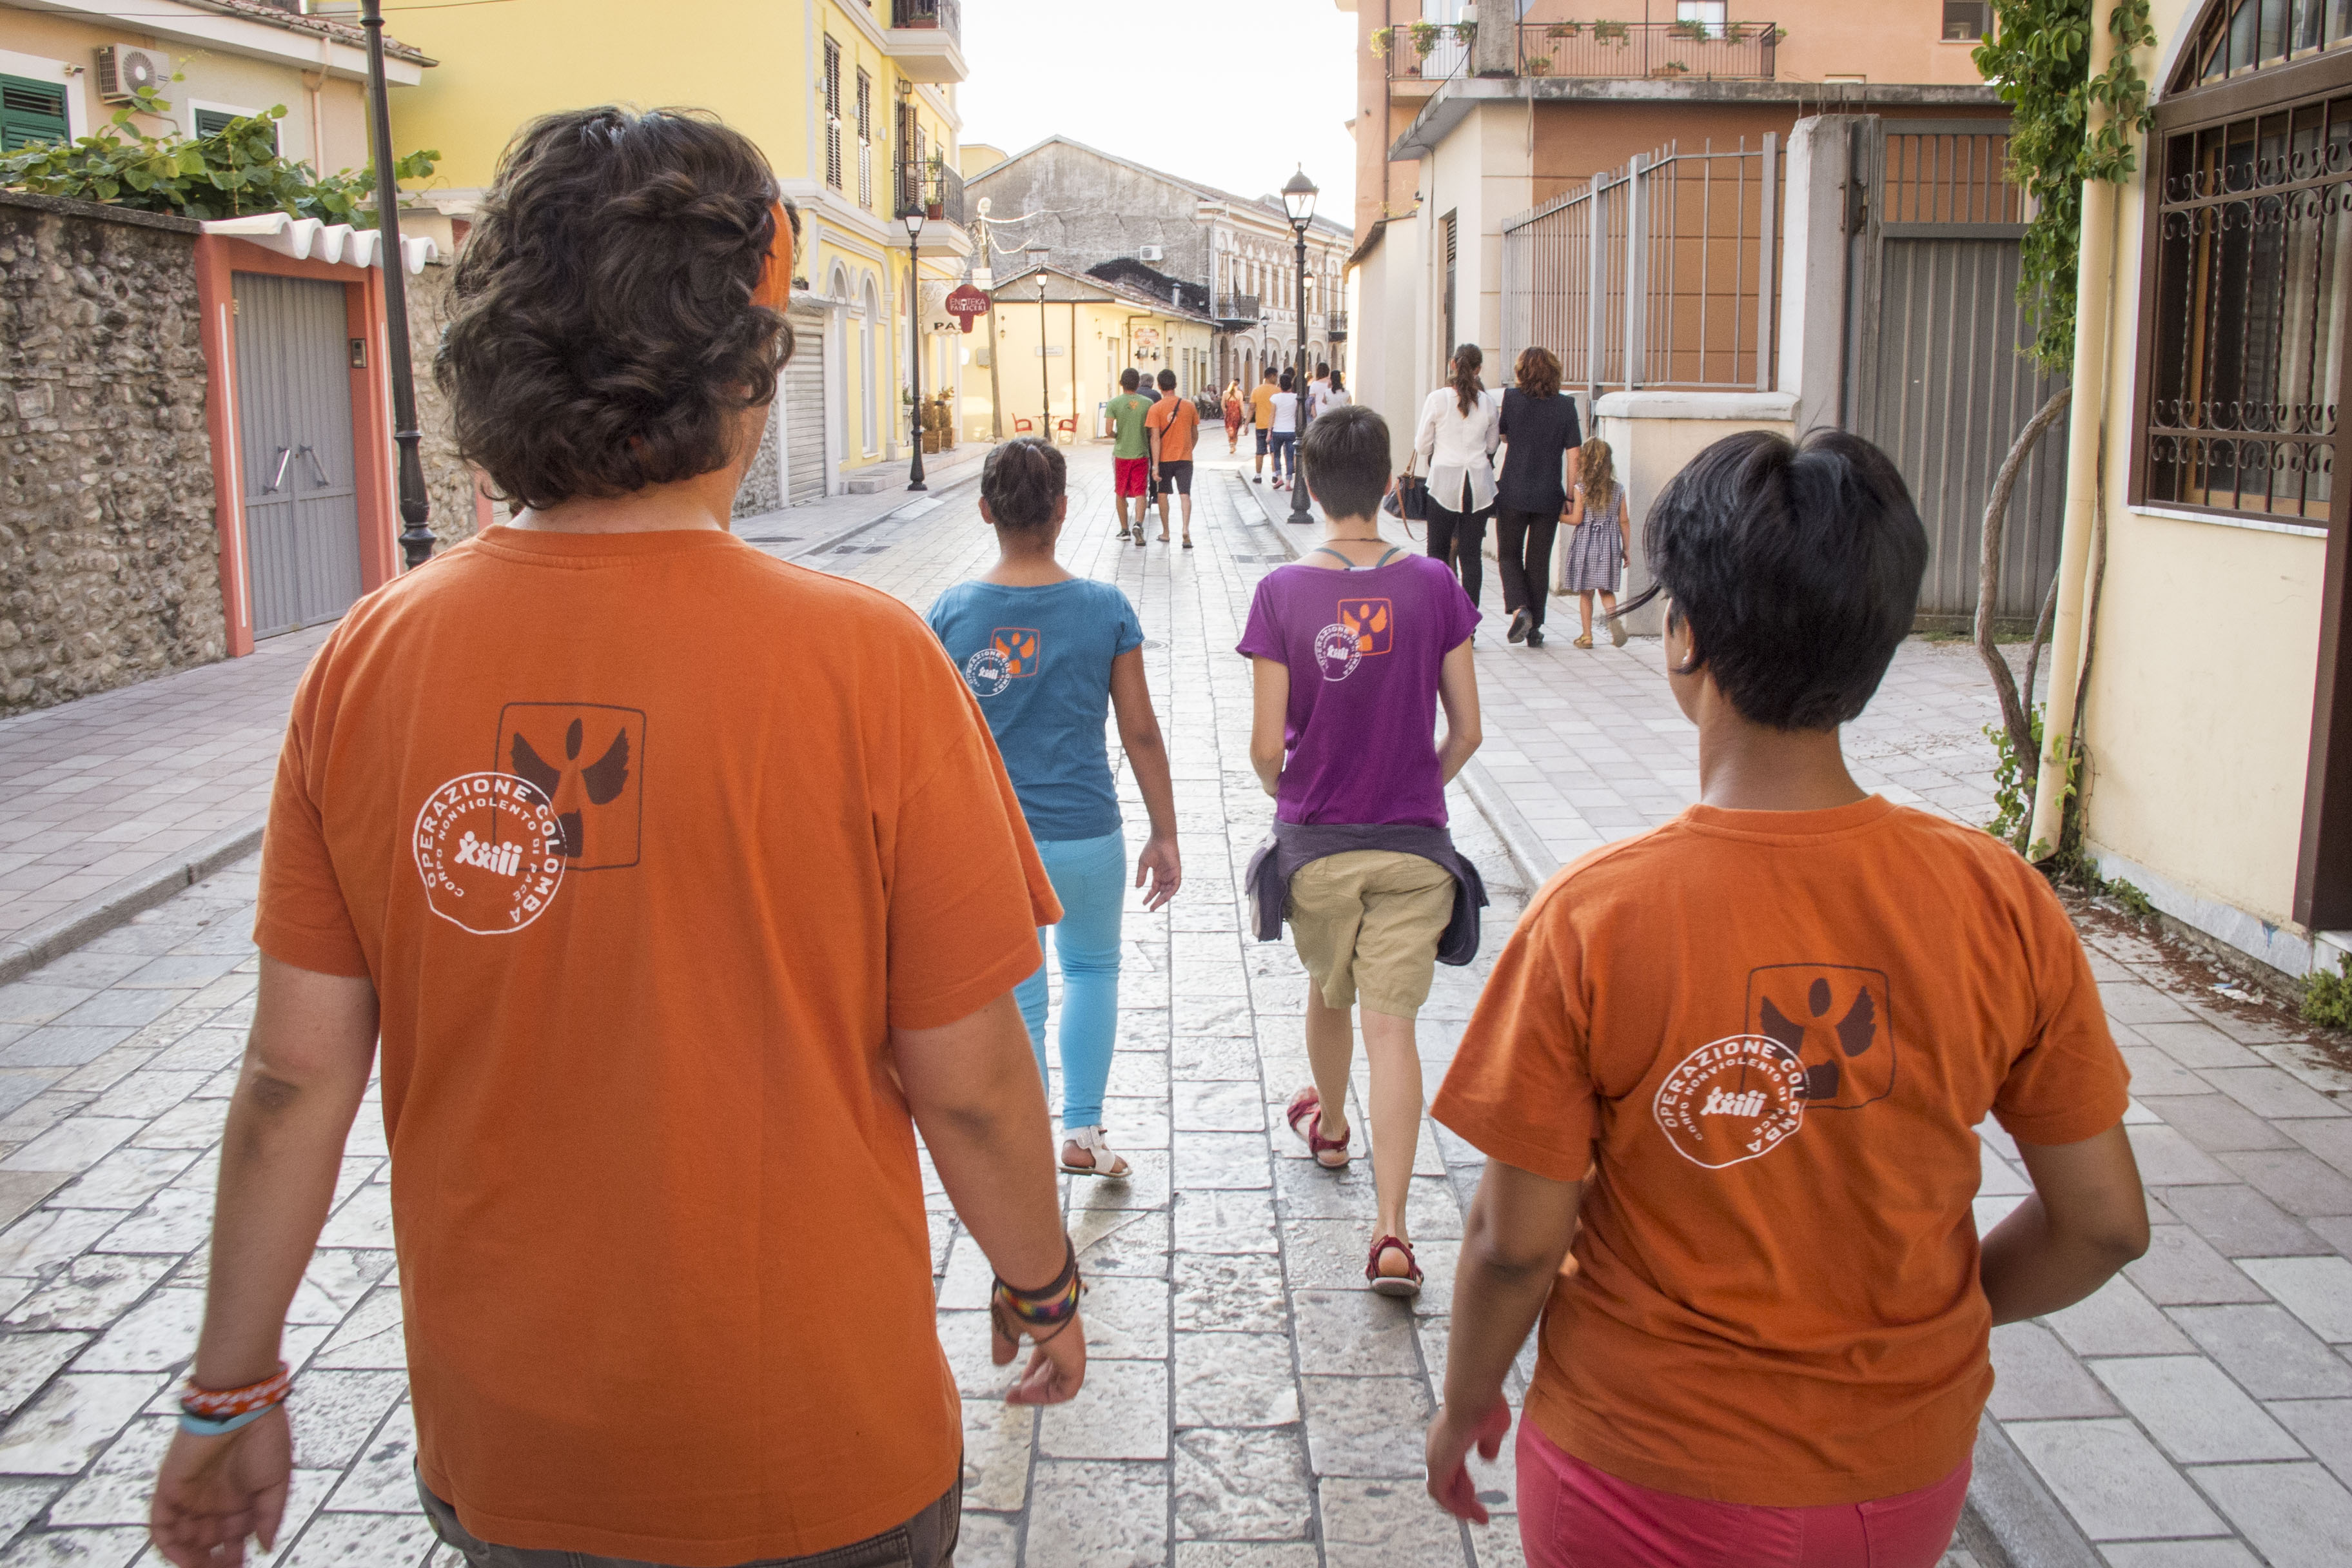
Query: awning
point(307, 240)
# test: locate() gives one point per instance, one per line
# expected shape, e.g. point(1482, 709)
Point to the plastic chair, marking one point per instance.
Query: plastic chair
point(1023, 426)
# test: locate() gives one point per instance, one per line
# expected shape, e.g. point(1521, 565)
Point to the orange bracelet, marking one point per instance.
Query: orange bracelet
point(224, 1403)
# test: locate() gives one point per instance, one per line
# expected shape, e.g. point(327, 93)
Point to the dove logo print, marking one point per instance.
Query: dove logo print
point(490, 852)
point(1366, 628)
point(588, 758)
point(1838, 1020)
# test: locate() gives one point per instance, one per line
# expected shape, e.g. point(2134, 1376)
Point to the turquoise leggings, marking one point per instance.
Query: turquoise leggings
point(1089, 876)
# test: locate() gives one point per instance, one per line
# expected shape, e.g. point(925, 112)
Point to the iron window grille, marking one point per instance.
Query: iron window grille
point(2248, 298)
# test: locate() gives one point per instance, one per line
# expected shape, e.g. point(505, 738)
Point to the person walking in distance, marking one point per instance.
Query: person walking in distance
point(1283, 432)
point(1174, 425)
point(1130, 452)
point(1454, 449)
point(1600, 540)
point(1261, 412)
point(1046, 654)
point(1771, 1347)
point(1538, 427)
point(1318, 391)
point(1235, 411)
point(657, 1034)
point(1353, 649)
point(1337, 397)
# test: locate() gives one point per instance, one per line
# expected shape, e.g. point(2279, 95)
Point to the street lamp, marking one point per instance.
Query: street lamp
point(1037, 254)
point(416, 538)
point(1299, 200)
point(914, 215)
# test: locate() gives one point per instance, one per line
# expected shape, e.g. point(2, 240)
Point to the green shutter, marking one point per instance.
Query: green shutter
point(31, 111)
point(209, 120)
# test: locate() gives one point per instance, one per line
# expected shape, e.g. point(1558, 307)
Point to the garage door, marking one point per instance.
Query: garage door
point(804, 407)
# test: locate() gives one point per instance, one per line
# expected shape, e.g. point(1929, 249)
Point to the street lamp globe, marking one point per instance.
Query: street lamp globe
point(914, 223)
point(1298, 196)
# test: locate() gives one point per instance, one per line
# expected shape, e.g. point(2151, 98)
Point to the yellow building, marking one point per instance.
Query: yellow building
point(847, 98)
point(1091, 328)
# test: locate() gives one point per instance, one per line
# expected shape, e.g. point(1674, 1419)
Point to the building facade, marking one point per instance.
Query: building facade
point(1090, 209)
point(1058, 350)
point(65, 72)
point(854, 103)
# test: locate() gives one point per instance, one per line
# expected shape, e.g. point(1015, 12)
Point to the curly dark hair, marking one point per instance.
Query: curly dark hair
point(605, 334)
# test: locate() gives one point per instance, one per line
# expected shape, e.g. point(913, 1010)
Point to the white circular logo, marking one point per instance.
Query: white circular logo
point(1735, 1100)
point(1337, 650)
point(490, 852)
point(988, 672)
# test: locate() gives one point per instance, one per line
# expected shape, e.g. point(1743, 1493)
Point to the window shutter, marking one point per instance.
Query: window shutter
point(31, 111)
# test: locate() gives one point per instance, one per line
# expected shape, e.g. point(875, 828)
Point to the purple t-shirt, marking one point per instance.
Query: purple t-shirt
point(1364, 649)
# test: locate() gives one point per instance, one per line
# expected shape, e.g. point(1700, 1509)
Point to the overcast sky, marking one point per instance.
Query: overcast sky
point(1236, 93)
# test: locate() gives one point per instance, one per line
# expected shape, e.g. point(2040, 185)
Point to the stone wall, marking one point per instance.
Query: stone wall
point(1091, 209)
point(109, 559)
point(448, 478)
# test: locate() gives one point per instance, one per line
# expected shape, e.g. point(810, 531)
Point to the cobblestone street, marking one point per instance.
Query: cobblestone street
point(1248, 1402)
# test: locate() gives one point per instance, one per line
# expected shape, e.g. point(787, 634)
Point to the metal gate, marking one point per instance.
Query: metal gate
point(805, 410)
point(1935, 375)
point(294, 448)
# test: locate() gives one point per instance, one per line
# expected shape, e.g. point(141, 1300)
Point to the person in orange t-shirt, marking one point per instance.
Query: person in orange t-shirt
point(1738, 1062)
point(685, 886)
point(1174, 426)
point(1261, 410)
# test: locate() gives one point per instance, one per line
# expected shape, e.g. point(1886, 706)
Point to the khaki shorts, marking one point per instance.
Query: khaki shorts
point(1367, 925)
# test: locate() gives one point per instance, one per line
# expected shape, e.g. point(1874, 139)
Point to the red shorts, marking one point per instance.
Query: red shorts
point(1574, 1516)
point(1131, 476)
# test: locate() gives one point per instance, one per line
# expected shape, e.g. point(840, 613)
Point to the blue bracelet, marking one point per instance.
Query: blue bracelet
point(205, 1427)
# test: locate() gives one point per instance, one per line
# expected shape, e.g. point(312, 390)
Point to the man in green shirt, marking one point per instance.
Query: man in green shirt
point(1130, 454)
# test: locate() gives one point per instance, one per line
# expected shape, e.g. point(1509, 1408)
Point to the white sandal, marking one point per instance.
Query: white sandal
point(1103, 1161)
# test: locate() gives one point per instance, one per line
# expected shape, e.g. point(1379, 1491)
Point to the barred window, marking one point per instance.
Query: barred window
point(832, 114)
point(2248, 293)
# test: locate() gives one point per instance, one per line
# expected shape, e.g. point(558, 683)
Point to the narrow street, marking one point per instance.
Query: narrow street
point(1249, 1405)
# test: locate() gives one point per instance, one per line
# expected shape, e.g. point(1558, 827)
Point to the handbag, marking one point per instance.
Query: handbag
point(1409, 499)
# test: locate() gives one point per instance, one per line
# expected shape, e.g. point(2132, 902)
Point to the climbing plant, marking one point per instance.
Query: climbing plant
point(2038, 58)
point(237, 170)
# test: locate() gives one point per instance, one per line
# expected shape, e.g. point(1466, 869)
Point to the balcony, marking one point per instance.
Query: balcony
point(932, 188)
point(1421, 57)
point(1338, 327)
point(927, 40)
point(1235, 308)
point(1649, 51)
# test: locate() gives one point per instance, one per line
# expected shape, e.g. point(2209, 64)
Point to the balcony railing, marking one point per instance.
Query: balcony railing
point(945, 14)
point(1238, 308)
point(1649, 51)
point(1433, 53)
point(931, 188)
point(1338, 327)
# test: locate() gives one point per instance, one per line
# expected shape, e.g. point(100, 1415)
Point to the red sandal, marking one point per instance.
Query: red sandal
point(1305, 1114)
point(1405, 1284)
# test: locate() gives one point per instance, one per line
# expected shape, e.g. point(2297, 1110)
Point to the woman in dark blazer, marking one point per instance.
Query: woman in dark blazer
point(1540, 436)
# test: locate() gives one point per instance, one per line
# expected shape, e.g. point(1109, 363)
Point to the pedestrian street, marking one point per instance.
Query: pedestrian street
point(1248, 1402)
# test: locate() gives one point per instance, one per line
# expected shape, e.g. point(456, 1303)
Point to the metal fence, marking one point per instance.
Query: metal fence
point(1659, 52)
point(1662, 273)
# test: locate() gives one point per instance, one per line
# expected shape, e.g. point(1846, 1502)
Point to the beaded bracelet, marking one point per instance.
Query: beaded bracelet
point(210, 1413)
point(1055, 1307)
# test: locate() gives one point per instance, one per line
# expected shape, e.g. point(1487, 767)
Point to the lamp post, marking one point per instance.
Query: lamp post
point(1299, 200)
point(914, 215)
point(1037, 254)
point(416, 538)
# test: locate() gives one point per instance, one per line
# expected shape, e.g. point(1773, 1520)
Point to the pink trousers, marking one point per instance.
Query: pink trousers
point(1573, 1516)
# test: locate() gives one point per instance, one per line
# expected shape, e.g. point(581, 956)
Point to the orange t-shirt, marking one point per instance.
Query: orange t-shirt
point(1769, 1036)
point(646, 842)
point(1179, 423)
point(1262, 400)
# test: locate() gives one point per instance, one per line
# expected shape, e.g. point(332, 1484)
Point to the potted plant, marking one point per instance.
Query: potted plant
point(1383, 38)
point(1423, 35)
point(1670, 68)
point(1464, 33)
point(1612, 32)
point(1688, 28)
point(1536, 65)
point(1563, 30)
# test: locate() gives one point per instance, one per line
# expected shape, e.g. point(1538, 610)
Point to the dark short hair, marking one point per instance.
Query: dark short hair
point(1128, 379)
point(1345, 456)
point(1322, 367)
point(1797, 565)
point(1288, 380)
point(1167, 381)
point(1272, 374)
point(604, 336)
point(1020, 481)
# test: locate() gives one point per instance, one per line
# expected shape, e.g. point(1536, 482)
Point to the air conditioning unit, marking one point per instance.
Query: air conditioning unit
point(1152, 253)
point(122, 71)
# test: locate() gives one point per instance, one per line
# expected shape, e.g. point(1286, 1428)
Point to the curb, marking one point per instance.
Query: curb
point(2010, 1521)
point(102, 911)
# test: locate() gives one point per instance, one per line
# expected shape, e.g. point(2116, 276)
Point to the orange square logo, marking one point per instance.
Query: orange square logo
point(1372, 622)
point(1019, 645)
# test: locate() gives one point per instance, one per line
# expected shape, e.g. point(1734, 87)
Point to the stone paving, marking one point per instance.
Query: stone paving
point(1249, 1403)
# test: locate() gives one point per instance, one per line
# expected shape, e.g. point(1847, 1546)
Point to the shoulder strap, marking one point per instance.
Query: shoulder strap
point(1394, 551)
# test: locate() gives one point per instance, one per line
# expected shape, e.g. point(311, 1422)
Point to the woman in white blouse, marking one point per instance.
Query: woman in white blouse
point(1455, 449)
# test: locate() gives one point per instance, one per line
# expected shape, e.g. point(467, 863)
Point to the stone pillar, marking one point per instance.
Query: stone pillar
point(1494, 48)
point(1816, 265)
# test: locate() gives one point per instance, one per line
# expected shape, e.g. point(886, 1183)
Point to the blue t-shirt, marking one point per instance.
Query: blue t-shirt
point(1039, 661)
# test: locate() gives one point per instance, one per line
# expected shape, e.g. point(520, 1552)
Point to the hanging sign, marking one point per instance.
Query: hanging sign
point(966, 302)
